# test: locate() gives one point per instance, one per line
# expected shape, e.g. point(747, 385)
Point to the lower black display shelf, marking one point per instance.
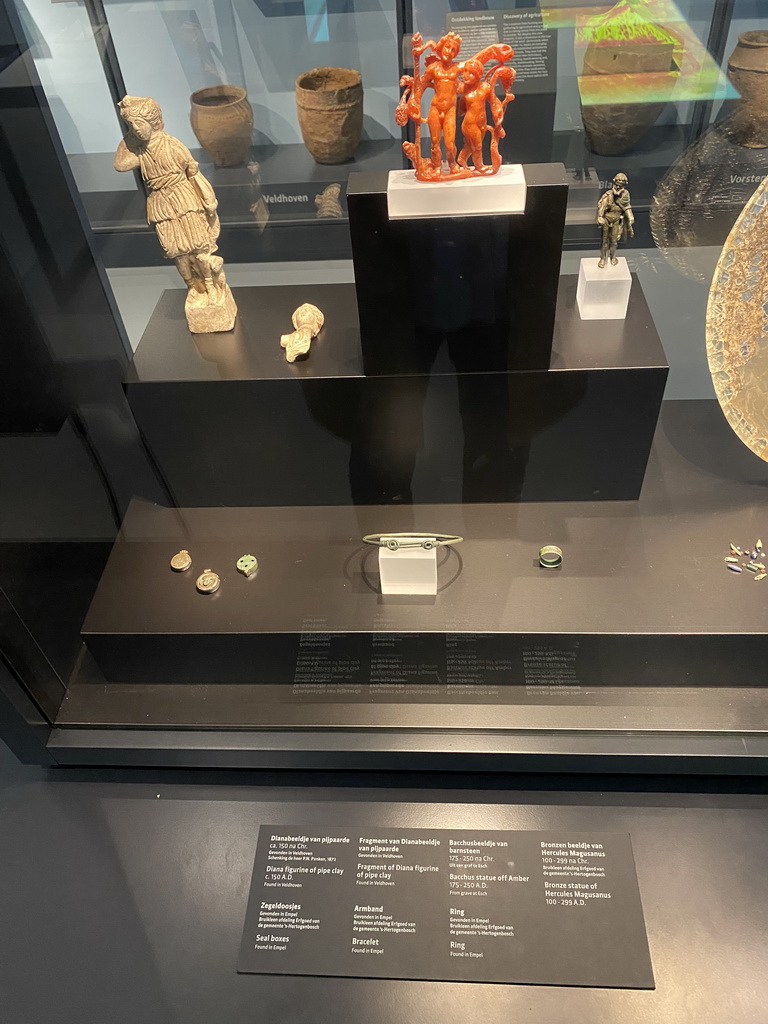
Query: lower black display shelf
point(643, 597)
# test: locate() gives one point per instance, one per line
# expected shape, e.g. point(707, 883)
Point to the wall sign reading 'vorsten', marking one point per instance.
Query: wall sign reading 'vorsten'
point(541, 908)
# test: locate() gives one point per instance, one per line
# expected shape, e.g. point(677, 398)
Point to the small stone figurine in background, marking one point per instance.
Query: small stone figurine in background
point(328, 202)
point(181, 205)
point(308, 321)
point(615, 217)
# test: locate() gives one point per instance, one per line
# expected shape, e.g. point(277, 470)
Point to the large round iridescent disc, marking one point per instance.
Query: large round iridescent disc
point(737, 325)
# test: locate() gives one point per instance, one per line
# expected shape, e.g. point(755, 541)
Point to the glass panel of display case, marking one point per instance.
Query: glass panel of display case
point(279, 455)
point(235, 85)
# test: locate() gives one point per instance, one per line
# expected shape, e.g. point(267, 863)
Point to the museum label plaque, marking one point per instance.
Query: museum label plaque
point(539, 908)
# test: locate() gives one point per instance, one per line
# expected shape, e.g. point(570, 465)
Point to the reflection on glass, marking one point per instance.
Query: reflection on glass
point(699, 198)
point(635, 58)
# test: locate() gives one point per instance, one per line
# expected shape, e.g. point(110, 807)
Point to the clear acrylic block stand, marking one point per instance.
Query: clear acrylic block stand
point(503, 192)
point(408, 570)
point(603, 294)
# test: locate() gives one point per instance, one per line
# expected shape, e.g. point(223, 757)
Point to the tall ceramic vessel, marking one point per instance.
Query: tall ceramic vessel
point(330, 107)
point(748, 71)
point(623, 47)
point(222, 120)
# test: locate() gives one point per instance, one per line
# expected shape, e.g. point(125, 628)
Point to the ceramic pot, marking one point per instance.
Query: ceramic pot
point(222, 121)
point(615, 128)
point(330, 108)
point(628, 58)
point(748, 72)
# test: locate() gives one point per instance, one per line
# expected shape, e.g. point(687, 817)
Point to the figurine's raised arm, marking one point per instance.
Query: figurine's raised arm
point(125, 160)
point(418, 46)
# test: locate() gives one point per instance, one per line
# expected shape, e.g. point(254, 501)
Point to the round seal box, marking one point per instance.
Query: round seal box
point(247, 565)
point(181, 561)
point(208, 581)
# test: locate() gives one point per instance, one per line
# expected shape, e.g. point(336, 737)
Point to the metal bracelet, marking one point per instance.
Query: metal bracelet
point(394, 541)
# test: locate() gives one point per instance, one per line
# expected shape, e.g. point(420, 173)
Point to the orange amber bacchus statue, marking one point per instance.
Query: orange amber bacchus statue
point(465, 84)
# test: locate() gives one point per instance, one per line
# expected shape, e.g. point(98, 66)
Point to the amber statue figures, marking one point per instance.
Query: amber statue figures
point(181, 205)
point(465, 85)
point(615, 217)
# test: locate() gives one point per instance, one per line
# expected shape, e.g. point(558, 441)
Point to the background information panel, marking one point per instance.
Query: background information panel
point(542, 908)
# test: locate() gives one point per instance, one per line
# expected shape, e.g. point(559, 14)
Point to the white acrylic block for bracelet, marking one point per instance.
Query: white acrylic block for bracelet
point(603, 294)
point(408, 570)
point(503, 192)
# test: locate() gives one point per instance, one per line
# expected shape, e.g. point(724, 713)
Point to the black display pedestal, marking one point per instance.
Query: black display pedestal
point(230, 422)
point(487, 285)
point(626, 609)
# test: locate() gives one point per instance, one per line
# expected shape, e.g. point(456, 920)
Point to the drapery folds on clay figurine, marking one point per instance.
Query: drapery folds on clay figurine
point(181, 206)
point(615, 217)
point(465, 84)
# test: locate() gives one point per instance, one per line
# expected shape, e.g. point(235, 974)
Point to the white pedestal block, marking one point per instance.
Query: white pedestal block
point(603, 294)
point(504, 192)
point(408, 570)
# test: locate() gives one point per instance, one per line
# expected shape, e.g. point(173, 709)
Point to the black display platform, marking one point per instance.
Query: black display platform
point(488, 285)
point(641, 600)
point(230, 422)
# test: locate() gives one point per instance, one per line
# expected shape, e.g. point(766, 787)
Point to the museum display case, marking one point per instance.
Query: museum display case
point(309, 459)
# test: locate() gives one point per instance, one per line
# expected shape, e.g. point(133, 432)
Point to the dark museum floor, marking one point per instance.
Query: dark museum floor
point(123, 894)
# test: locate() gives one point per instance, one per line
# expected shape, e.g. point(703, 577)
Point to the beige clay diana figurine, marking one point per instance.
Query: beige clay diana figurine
point(308, 321)
point(181, 205)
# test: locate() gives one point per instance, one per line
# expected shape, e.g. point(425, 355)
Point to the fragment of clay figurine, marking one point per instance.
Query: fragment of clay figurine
point(308, 321)
point(181, 205)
